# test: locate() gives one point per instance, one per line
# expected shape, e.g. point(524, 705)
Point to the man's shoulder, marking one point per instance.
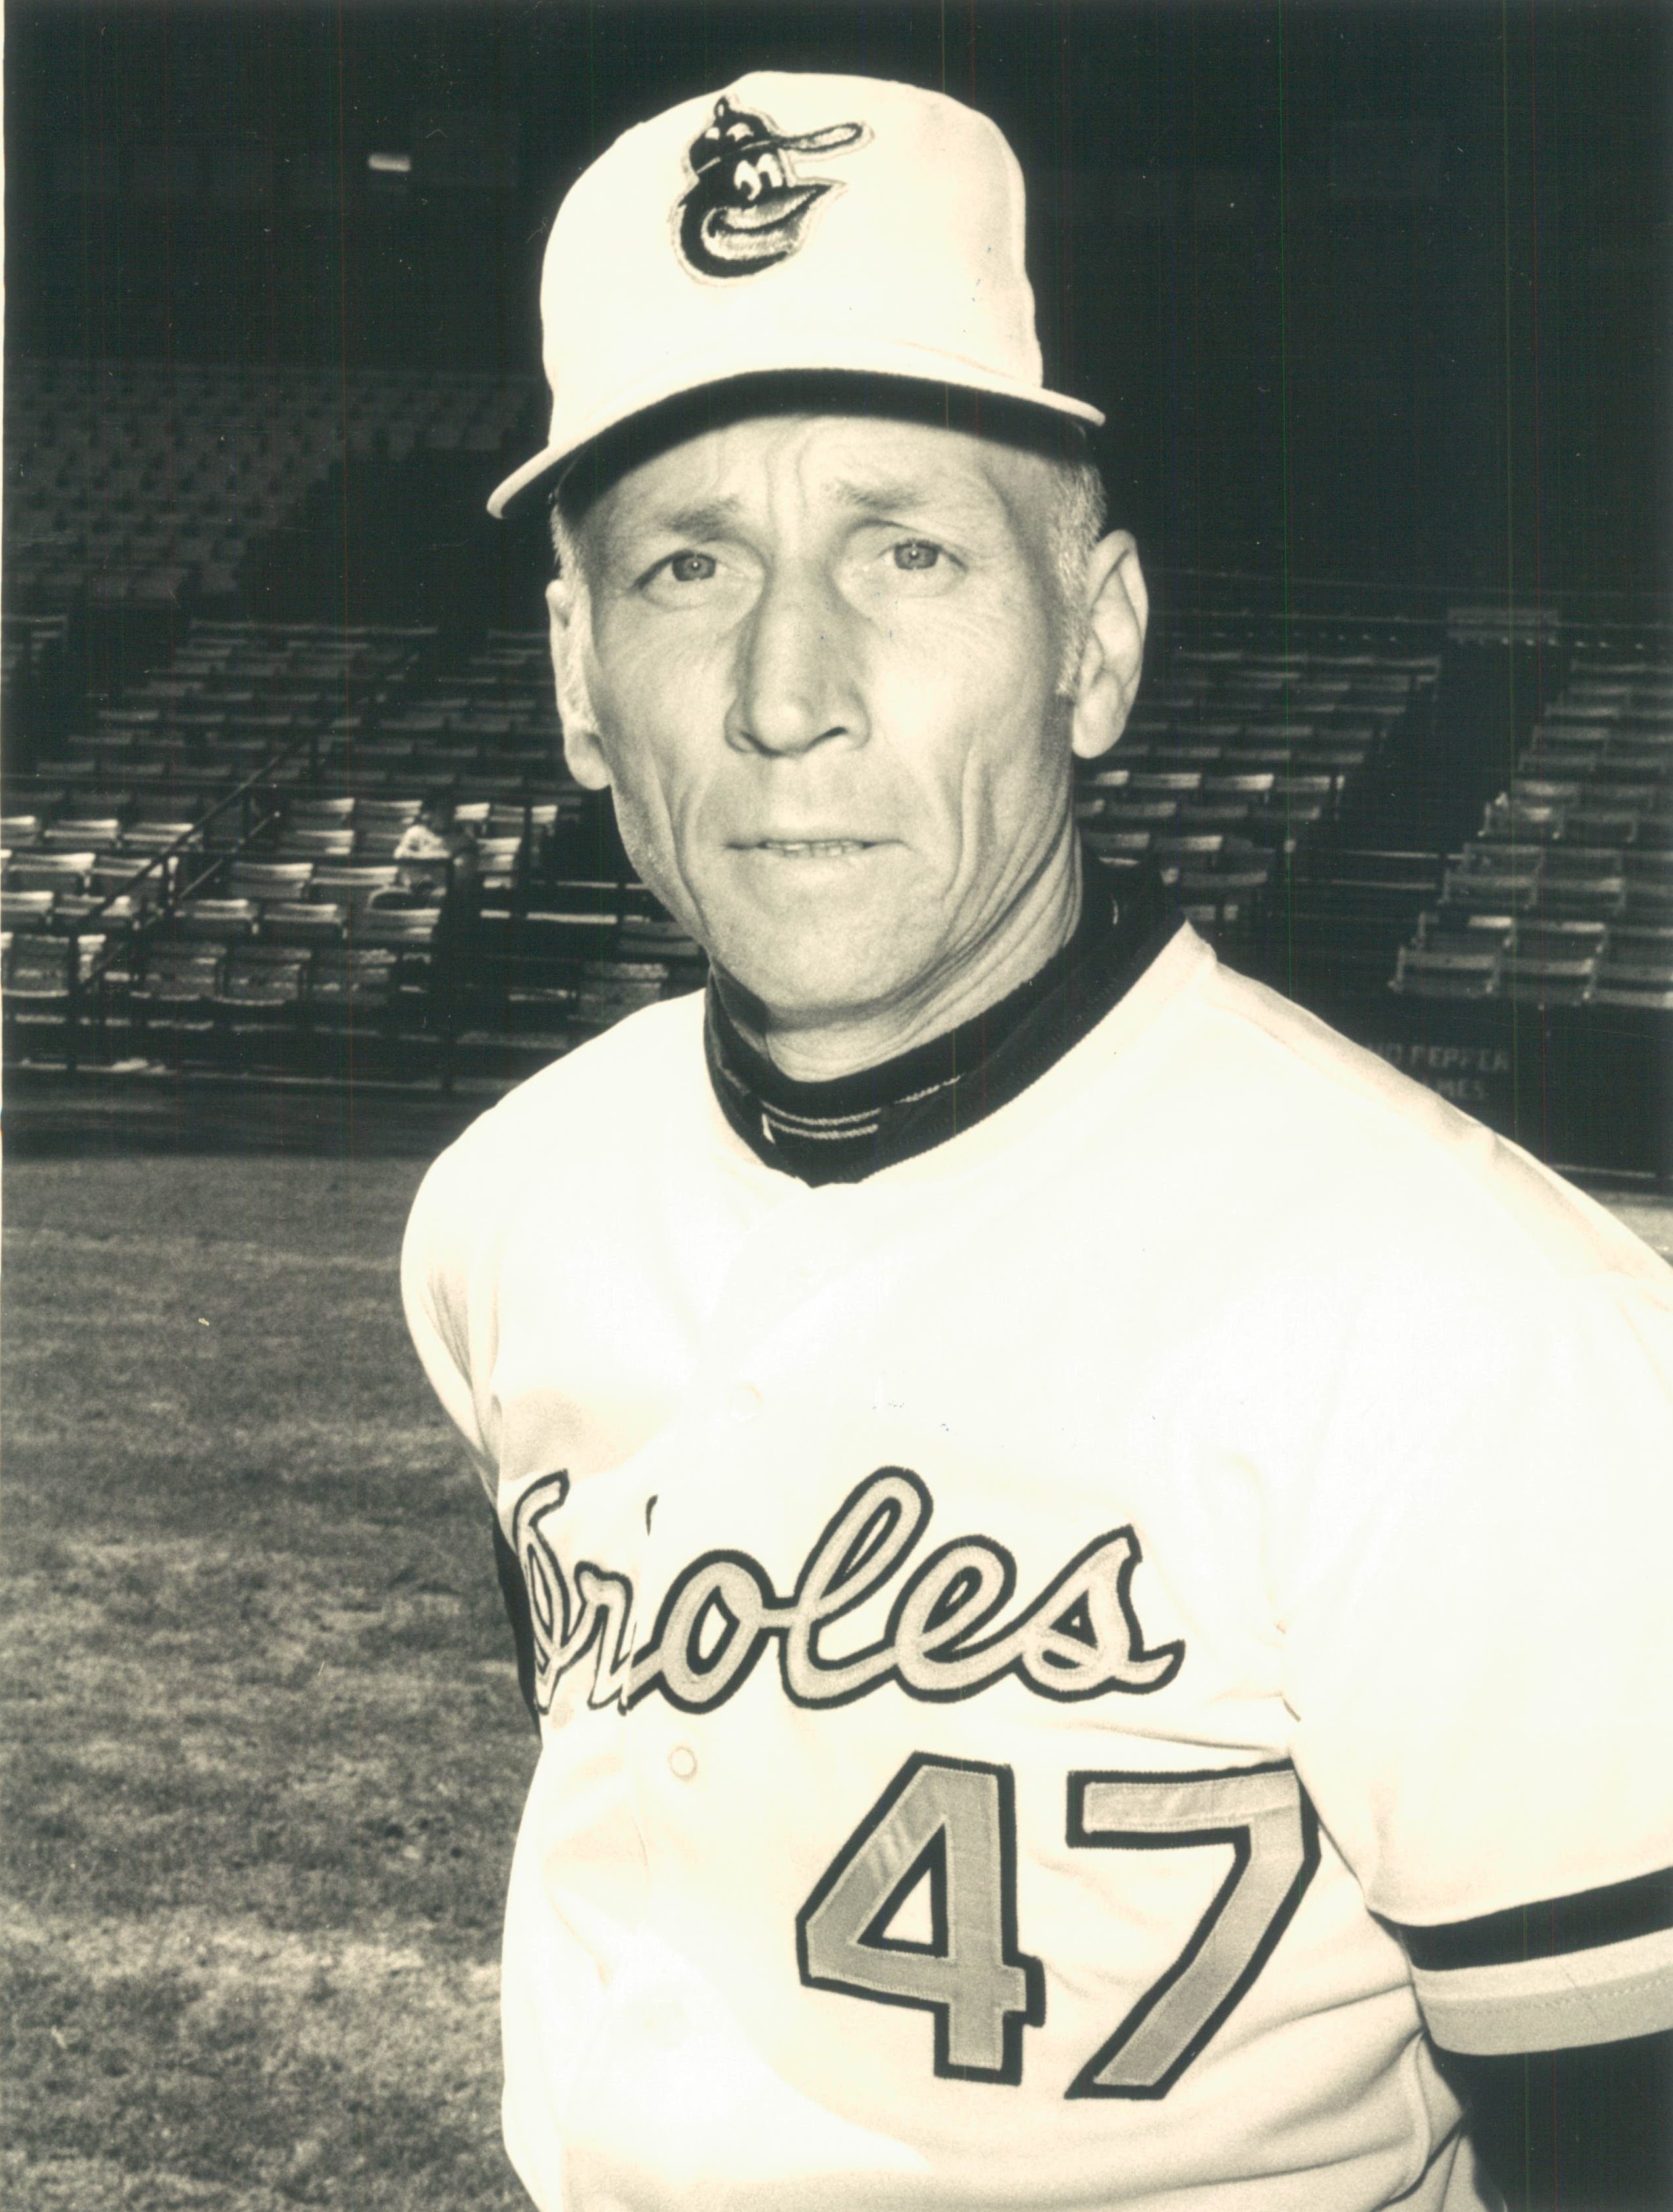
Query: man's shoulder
point(615, 1070)
point(1319, 1109)
point(619, 1093)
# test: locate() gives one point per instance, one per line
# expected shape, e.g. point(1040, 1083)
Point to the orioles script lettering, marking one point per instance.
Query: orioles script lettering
point(947, 1637)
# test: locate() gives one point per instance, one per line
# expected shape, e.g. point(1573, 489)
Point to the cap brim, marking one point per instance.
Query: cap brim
point(919, 364)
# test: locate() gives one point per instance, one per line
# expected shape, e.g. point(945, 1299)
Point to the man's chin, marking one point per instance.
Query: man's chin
point(805, 986)
point(798, 1002)
point(832, 953)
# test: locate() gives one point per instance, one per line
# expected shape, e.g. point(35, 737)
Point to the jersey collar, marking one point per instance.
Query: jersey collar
point(849, 1127)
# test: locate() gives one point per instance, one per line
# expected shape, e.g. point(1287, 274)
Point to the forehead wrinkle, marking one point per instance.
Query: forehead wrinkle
point(894, 496)
point(888, 496)
point(699, 518)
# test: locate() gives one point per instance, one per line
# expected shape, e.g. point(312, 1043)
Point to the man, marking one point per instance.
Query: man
point(429, 844)
point(1080, 1538)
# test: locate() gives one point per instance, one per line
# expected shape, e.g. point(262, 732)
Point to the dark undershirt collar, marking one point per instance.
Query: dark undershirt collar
point(847, 1128)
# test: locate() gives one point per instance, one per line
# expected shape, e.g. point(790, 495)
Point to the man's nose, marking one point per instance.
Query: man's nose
point(798, 670)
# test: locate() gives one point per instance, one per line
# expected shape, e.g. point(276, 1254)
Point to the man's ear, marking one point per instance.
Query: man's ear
point(583, 751)
point(1107, 682)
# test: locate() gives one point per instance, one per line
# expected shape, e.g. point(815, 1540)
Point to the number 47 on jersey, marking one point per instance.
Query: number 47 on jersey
point(949, 1825)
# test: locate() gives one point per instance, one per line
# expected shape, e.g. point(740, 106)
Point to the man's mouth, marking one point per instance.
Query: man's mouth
point(812, 848)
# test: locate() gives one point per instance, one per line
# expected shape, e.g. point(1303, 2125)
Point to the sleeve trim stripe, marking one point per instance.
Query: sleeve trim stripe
point(1551, 1929)
point(1596, 1995)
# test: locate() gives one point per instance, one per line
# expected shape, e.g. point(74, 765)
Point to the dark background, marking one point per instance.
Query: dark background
point(1372, 292)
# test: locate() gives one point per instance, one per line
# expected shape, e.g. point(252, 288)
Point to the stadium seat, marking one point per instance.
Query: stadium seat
point(1174, 754)
point(388, 813)
point(351, 886)
point(112, 914)
point(496, 858)
point(1519, 822)
point(1603, 825)
point(390, 925)
point(1208, 817)
point(1256, 784)
point(1121, 812)
point(1145, 783)
point(224, 920)
point(55, 871)
point(76, 835)
point(1635, 793)
point(346, 985)
point(156, 836)
point(1304, 792)
point(1583, 882)
point(171, 1000)
point(42, 965)
point(1219, 899)
point(1490, 883)
point(1636, 968)
point(330, 845)
point(258, 1005)
point(109, 876)
point(1545, 791)
point(1448, 970)
point(51, 994)
point(264, 880)
point(28, 909)
point(1111, 844)
point(296, 922)
point(1649, 902)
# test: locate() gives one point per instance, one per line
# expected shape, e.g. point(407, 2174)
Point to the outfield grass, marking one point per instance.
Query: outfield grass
point(266, 1749)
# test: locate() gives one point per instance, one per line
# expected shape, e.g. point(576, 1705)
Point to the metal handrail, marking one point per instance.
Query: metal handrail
point(182, 844)
point(177, 889)
point(163, 864)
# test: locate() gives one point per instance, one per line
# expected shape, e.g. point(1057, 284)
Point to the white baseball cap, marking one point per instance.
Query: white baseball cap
point(791, 222)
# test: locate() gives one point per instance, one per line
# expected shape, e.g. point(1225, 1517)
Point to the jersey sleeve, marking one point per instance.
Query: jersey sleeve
point(1479, 1644)
point(440, 1256)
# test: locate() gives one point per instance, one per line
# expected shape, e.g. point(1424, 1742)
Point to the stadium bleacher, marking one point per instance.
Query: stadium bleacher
point(206, 873)
point(145, 484)
point(1565, 896)
point(1242, 756)
point(199, 830)
point(236, 812)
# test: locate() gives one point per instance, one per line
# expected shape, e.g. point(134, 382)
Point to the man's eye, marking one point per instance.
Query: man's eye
point(916, 553)
point(691, 568)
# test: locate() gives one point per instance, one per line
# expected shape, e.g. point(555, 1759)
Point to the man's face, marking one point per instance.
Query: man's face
point(819, 677)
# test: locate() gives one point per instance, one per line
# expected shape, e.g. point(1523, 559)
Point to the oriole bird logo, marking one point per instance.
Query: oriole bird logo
point(747, 209)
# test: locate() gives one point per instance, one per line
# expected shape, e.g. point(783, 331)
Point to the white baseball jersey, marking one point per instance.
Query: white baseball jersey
point(1062, 1660)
